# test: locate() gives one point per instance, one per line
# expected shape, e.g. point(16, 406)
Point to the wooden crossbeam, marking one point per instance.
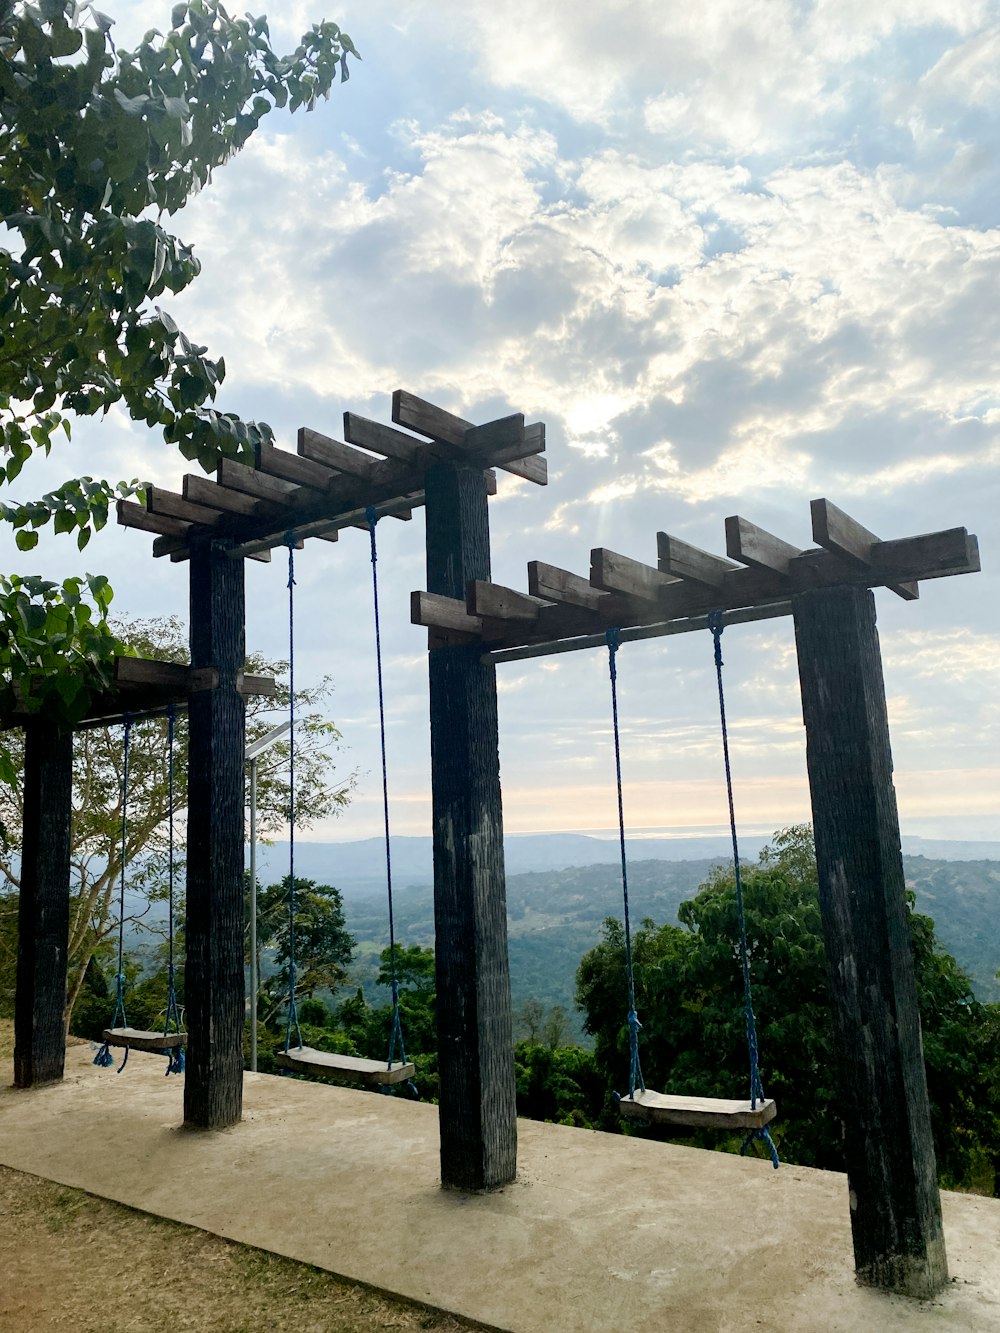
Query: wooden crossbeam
point(433, 611)
point(332, 454)
point(612, 572)
point(146, 673)
point(161, 501)
point(837, 532)
point(380, 439)
point(131, 515)
point(201, 491)
point(499, 603)
point(437, 424)
point(290, 467)
point(931, 555)
point(560, 585)
point(757, 548)
point(689, 563)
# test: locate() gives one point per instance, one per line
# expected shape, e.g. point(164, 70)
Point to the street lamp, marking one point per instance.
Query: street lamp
point(251, 756)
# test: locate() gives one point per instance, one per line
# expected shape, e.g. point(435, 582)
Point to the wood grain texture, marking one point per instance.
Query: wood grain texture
point(141, 1039)
point(838, 532)
point(661, 1108)
point(684, 561)
point(500, 603)
point(882, 1087)
point(214, 982)
point(132, 515)
point(754, 546)
point(343, 1068)
point(43, 905)
point(477, 1109)
point(333, 454)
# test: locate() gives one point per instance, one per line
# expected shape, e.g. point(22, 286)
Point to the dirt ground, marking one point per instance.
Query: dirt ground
point(70, 1261)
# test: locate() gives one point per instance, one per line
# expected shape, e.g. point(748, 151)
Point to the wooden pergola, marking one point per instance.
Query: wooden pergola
point(140, 688)
point(889, 1152)
point(429, 457)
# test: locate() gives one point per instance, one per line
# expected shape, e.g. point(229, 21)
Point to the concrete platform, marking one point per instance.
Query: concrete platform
point(597, 1232)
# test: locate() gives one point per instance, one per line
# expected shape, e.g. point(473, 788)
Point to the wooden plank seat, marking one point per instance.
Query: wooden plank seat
point(137, 1039)
point(343, 1068)
point(661, 1108)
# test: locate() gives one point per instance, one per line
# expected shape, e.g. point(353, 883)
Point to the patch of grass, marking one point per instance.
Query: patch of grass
point(109, 1269)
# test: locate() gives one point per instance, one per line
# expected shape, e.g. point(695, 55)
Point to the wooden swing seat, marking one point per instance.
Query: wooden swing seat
point(136, 1039)
point(343, 1068)
point(662, 1108)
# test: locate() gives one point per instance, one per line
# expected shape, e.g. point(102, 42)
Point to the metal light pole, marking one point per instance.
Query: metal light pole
point(251, 756)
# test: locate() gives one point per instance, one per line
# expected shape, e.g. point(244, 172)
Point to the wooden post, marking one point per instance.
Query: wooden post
point(214, 982)
point(43, 906)
point(477, 1110)
point(892, 1178)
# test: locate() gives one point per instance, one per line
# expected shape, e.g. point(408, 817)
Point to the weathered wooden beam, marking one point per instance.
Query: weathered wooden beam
point(143, 671)
point(214, 992)
point(612, 572)
point(631, 634)
point(201, 491)
point(561, 585)
point(445, 613)
point(684, 561)
point(499, 603)
point(477, 1110)
point(332, 454)
point(259, 686)
point(837, 532)
point(177, 549)
point(161, 501)
point(43, 905)
point(261, 486)
point(499, 434)
point(381, 439)
point(132, 515)
point(290, 467)
point(757, 548)
point(931, 555)
point(882, 1088)
point(434, 422)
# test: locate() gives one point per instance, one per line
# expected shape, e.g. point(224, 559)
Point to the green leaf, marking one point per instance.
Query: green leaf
point(26, 539)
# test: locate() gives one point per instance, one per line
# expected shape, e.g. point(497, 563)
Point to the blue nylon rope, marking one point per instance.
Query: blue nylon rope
point(715, 624)
point(104, 1058)
point(293, 1016)
point(175, 1055)
point(613, 640)
point(396, 1035)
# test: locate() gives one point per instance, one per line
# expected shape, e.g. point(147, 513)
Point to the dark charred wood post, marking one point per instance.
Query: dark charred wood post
point(43, 909)
point(214, 983)
point(477, 1111)
point(894, 1200)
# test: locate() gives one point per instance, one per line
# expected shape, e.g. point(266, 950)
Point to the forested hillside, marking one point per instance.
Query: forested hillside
point(555, 916)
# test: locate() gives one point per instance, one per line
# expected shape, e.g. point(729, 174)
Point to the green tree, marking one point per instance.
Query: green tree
point(96, 842)
point(98, 145)
point(690, 1000)
point(322, 945)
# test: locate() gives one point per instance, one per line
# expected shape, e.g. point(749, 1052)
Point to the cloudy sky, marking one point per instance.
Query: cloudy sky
point(734, 255)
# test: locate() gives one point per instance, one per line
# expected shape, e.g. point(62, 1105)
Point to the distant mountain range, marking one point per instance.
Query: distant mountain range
point(561, 888)
point(359, 867)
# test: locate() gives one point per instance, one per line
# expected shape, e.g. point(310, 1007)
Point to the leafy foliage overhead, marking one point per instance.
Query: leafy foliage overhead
point(96, 145)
